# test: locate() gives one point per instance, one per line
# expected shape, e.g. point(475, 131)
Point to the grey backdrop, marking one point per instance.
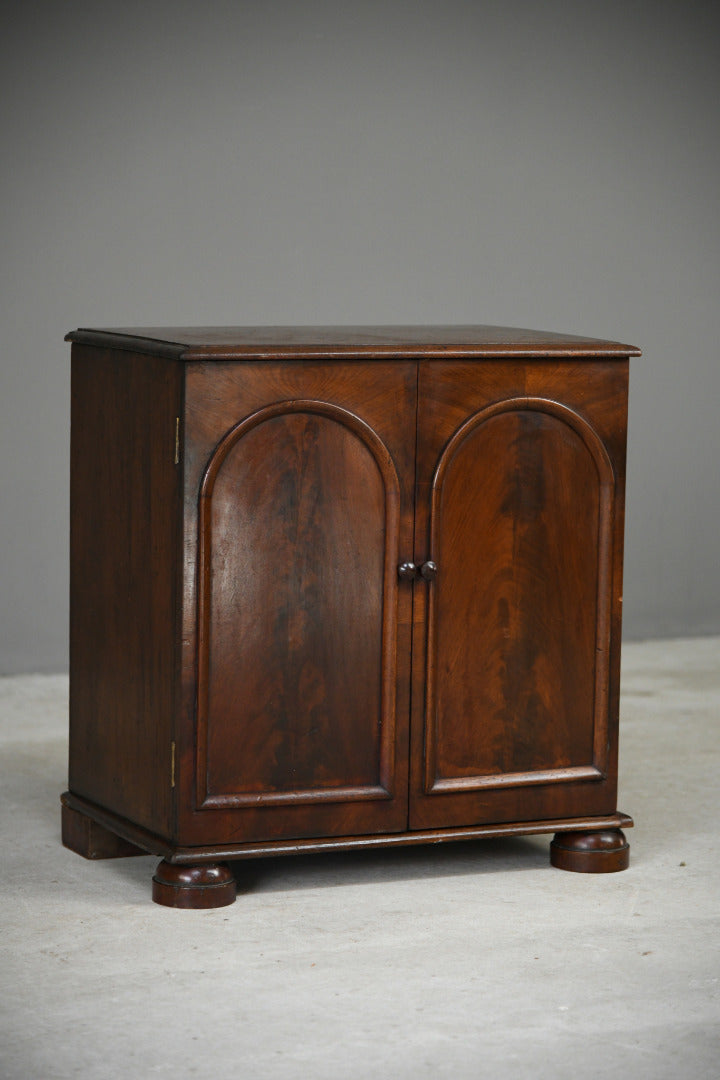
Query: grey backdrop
point(544, 164)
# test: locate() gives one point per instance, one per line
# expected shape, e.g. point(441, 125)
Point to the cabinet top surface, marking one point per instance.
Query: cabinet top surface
point(347, 342)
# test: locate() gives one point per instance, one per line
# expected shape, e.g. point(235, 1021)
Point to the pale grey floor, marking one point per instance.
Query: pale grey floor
point(473, 960)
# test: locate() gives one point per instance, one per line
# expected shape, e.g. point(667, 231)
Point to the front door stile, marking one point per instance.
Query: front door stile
point(416, 593)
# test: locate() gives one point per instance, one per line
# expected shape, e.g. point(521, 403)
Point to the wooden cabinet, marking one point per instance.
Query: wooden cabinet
point(342, 587)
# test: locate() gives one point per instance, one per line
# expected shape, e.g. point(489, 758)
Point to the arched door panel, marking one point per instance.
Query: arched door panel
point(299, 528)
point(514, 708)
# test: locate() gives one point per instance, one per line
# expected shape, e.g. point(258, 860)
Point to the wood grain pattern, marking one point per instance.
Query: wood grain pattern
point(178, 854)
point(124, 564)
point(300, 630)
point(298, 534)
point(343, 587)
point(349, 342)
point(521, 602)
point(519, 499)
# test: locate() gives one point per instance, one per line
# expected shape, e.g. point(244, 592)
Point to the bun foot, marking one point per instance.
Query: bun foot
point(603, 851)
point(208, 885)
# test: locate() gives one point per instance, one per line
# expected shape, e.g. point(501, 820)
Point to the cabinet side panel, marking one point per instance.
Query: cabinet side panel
point(123, 566)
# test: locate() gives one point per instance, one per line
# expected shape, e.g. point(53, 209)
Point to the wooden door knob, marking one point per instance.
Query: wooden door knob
point(407, 571)
point(429, 570)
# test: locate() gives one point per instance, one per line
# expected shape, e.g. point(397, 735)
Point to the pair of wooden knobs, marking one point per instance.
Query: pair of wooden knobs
point(408, 571)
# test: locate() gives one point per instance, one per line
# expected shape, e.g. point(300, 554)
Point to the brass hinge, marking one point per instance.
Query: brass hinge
point(177, 440)
point(172, 764)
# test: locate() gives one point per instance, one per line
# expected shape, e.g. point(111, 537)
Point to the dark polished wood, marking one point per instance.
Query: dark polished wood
point(88, 838)
point(204, 886)
point(520, 484)
point(338, 586)
point(347, 342)
point(602, 851)
point(193, 856)
point(124, 565)
point(296, 645)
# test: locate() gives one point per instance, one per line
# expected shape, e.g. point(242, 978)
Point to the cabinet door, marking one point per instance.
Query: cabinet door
point(516, 648)
point(299, 507)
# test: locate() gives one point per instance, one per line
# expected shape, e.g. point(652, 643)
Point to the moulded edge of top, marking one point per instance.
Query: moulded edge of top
point(347, 342)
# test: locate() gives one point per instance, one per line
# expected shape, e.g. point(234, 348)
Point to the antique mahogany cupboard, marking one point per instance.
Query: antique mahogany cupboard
point(343, 587)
